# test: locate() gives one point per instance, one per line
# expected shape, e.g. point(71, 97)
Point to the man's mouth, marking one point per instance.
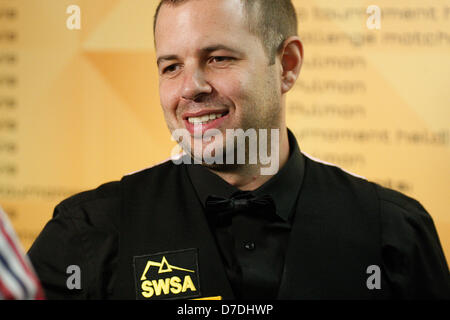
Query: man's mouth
point(205, 119)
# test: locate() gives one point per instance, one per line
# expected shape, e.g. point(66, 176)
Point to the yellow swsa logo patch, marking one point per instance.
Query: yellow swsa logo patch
point(156, 278)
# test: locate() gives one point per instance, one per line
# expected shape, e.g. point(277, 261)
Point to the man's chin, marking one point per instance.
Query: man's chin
point(215, 164)
point(220, 167)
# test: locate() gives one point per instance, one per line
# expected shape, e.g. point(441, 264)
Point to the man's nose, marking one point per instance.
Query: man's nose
point(195, 84)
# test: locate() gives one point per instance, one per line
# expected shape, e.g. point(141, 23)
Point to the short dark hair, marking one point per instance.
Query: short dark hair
point(272, 21)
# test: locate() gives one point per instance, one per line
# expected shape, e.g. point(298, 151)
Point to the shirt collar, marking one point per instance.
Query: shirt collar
point(283, 187)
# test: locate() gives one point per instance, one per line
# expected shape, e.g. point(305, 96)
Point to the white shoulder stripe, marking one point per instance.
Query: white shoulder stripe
point(333, 165)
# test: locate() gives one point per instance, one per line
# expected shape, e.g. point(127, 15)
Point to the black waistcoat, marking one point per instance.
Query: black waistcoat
point(334, 239)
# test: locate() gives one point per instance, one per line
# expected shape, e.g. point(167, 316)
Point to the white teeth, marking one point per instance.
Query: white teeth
point(205, 119)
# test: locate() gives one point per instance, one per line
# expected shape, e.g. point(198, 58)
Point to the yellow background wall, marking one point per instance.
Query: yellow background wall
point(80, 107)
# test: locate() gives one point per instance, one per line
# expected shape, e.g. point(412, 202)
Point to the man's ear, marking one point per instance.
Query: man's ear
point(291, 62)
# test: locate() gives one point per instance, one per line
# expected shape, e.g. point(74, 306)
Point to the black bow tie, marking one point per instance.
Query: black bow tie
point(222, 209)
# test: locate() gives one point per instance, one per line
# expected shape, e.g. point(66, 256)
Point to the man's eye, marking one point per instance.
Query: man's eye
point(221, 59)
point(170, 69)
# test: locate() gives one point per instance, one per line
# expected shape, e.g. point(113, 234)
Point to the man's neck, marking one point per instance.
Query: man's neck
point(248, 177)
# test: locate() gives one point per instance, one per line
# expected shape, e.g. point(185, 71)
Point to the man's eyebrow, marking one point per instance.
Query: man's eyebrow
point(220, 47)
point(166, 57)
point(207, 50)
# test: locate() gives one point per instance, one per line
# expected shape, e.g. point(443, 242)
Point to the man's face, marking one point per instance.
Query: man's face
point(211, 65)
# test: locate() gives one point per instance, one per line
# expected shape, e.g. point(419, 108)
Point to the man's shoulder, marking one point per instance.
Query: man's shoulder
point(98, 207)
point(401, 207)
point(104, 192)
point(329, 175)
point(396, 198)
point(107, 196)
point(159, 172)
point(389, 200)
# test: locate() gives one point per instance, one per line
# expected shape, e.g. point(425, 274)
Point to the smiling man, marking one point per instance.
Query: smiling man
point(227, 73)
point(223, 229)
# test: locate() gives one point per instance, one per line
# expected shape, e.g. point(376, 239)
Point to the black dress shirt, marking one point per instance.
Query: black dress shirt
point(254, 244)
